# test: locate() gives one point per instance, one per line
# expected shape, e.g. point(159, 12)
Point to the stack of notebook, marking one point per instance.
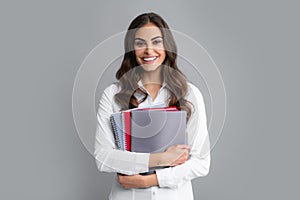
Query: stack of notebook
point(149, 130)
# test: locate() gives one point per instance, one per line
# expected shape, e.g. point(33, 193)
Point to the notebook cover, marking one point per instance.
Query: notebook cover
point(155, 130)
point(120, 123)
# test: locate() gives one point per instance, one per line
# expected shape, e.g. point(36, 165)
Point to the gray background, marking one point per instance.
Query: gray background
point(255, 44)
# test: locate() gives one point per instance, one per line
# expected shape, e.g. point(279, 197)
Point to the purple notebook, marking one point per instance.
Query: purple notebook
point(155, 130)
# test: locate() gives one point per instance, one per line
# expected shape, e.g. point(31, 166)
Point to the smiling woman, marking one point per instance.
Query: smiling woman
point(148, 76)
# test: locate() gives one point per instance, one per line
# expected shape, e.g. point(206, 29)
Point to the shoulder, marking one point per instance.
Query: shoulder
point(193, 91)
point(112, 89)
point(109, 93)
point(107, 102)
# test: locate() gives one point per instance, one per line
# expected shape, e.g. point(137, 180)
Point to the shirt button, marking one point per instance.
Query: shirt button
point(153, 193)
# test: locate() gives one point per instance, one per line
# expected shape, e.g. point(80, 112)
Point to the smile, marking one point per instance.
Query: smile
point(148, 59)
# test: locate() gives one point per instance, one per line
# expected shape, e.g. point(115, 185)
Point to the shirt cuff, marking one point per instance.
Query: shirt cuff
point(163, 178)
point(142, 162)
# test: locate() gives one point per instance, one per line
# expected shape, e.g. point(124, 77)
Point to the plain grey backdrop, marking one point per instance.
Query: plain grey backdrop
point(254, 43)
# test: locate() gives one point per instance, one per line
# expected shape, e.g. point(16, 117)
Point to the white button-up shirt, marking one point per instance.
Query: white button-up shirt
point(174, 182)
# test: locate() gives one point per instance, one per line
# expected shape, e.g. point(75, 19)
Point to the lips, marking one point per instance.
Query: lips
point(149, 59)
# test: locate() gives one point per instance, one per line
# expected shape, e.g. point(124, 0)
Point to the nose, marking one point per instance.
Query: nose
point(149, 49)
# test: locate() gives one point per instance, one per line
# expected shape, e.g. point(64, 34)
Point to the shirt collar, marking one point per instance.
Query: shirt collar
point(140, 84)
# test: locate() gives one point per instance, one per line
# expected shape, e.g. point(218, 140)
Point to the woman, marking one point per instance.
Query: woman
point(148, 76)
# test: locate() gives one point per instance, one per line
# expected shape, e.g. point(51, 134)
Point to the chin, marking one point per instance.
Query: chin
point(150, 68)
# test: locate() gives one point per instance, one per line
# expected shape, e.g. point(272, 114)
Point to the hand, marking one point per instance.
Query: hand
point(176, 155)
point(137, 181)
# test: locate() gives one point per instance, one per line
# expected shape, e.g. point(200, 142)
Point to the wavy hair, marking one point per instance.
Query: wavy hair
point(129, 72)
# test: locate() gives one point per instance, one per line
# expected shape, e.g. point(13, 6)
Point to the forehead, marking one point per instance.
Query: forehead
point(148, 31)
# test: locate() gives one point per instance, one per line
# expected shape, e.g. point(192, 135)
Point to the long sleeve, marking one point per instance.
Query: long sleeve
point(199, 162)
point(107, 157)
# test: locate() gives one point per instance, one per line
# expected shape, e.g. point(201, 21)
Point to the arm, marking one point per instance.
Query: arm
point(138, 181)
point(199, 163)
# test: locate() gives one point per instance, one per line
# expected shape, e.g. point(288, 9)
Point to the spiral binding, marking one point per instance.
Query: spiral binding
point(115, 132)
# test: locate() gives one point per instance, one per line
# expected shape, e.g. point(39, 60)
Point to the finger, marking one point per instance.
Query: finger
point(181, 159)
point(176, 162)
point(183, 153)
point(182, 146)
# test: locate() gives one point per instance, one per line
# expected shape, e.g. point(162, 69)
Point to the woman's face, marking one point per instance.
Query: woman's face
point(149, 47)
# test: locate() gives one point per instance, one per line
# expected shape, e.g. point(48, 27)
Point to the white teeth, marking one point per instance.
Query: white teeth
point(149, 59)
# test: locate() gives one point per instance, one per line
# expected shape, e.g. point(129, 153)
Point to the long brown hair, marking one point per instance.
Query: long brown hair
point(130, 72)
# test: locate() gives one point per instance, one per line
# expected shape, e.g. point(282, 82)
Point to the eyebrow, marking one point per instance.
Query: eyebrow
point(151, 39)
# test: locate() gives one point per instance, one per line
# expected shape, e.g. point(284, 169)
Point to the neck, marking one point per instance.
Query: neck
point(152, 81)
point(152, 77)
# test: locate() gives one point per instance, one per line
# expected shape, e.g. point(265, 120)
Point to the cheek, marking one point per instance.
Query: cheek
point(160, 50)
point(138, 53)
point(137, 56)
point(163, 55)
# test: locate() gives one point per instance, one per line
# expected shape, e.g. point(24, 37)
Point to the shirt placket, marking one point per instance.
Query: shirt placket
point(157, 98)
point(153, 193)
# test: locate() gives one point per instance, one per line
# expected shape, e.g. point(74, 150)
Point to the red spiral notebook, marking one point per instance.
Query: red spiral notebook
point(126, 128)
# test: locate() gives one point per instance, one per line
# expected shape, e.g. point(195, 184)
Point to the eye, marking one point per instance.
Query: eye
point(156, 42)
point(139, 43)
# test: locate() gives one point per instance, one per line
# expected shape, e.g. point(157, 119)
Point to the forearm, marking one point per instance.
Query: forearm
point(112, 160)
point(137, 181)
point(151, 180)
point(156, 160)
point(174, 155)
